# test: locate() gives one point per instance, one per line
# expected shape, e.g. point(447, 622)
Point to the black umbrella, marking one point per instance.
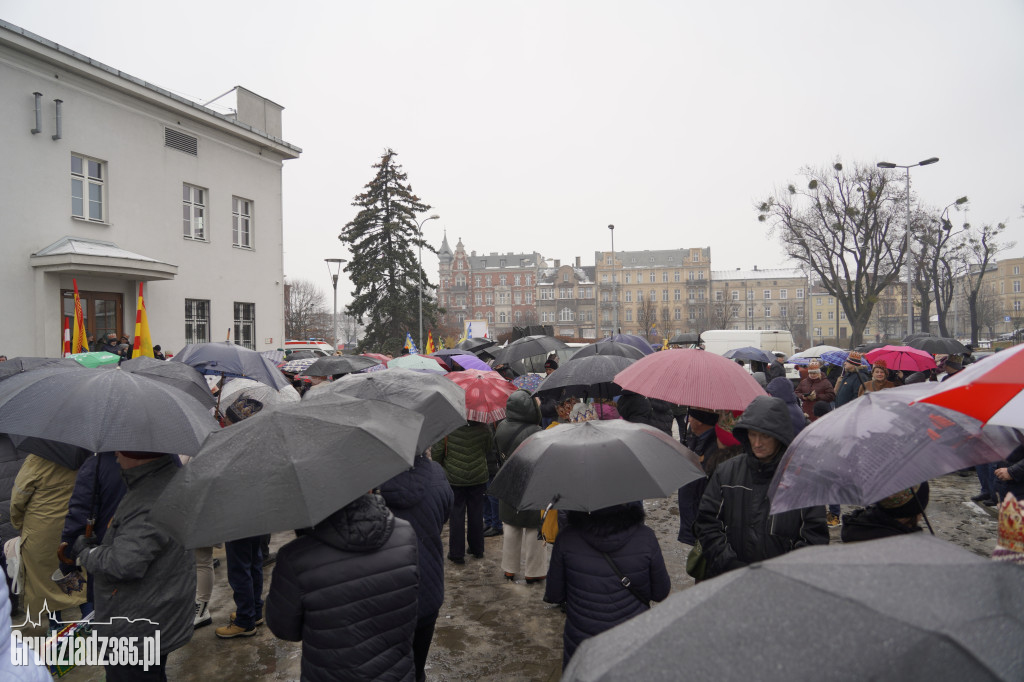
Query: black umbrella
point(937, 345)
point(287, 467)
point(586, 377)
point(528, 347)
point(339, 364)
point(103, 409)
point(441, 402)
point(684, 339)
point(749, 353)
point(231, 360)
point(631, 340)
point(910, 608)
point(609, 348)
point(24, 364)
point(594, 464)
point(70, 456)
point(475, 344)
point(176, 374)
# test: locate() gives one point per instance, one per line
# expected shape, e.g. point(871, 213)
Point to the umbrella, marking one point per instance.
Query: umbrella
point(588, 377)
point(486, 394)
point(418, 363)
point(912, 608)
point(902, 358)
point(528, 382)
point(749, 353)
point(936, 345)
point(95, 359)
point(442, 403)
point(287, 467)
point(70, 456)
point(838, 358)
point(814, 352)
point(468, 362)
point(637, 342)
point(609, 348)
point(275, 356)
point(175, 374)
point(801, 361)
point(297, 366)
point(684, 339)
point(339, 364)
point(24, 364)
point(445, 352)
point(990, 391)
point(376, 356)
point(295, 355)
point(690, 376)
point(594, 464)
point(237, 388)
point(878, 445)
point(103, 410)
point(527, 347)
point(475, 344)
point(231, 360)
point(865, 347)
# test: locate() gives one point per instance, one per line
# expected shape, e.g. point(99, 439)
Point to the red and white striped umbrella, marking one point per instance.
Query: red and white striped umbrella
point(690, 376)
point(990, 390)
point(486, 394)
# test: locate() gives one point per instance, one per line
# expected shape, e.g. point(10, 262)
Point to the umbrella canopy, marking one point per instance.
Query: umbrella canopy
point(839, 358)
point(231, 360)
point(936, 345)
point(297, 366)
point(339, 364)
point(609, 348)
point(103, 410)
point(990, 391)
point(95, 359)
point(912, 608)
point(794, 360)
point(814, 352)
point(486, 394)
point(475, 344)
point(690, 376)
point(237, 388)
point(70, 456)
point(528, 382)
point(901, 357)
point(445, 352)
point(587, 377)
point(749, 353)
point(865, 347)
point(287, 467)
point(637, 342)
point(878, 445)
point(175, 374)
point(527, 347)
point(684, 339)
point(468, 362)
point(594, 464)
point(377, 356)
point(441, 402)
point(24, 364)
point(276, 356)
point(418, 363)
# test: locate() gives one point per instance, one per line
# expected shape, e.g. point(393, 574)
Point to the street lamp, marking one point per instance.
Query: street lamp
point(615, 298)
point(334, 268)
point(910, 263)
point(420, 276)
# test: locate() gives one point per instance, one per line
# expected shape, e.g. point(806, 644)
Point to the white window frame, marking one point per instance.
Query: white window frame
point(245, 325)
point(91, 189)
point(197, 320)
point(241, 223)
point(193, 212)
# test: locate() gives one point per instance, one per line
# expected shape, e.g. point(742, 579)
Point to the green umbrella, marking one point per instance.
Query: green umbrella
point(96, 359)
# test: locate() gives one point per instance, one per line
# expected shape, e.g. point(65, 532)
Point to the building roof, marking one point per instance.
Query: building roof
point(512, 260)
point(663, 258)
point(774, 273)
point(94, 256)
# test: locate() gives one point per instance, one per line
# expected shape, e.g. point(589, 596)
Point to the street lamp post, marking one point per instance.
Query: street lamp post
point(615, 298)
point(334, 268)
point(419, 262)
point(910, 262)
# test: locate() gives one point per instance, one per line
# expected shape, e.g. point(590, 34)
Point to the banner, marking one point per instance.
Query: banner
point(79, 340)
point(143, 340)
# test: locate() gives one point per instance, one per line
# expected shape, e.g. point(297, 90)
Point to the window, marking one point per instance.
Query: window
point(692, 315)
point(817, 315)
point(565, 276)
point(750, 294)
point(783, 293)
point(842, 314)
point(197, 321)
point(245, 325)
point(664, 294)
point(604, 278)
point(519, 316)
point(799, 293)
point(653, 280)
point(489, 298)
point(460, 280)
point(652, 295)
point(529, 297)
point(675, 276)
point(677, 314)
point(604, 297)
point(750, 311)
point(664, 315)
point(818, 301)
point(676, 295)
point(689, 276)
point(501, 262)
point(477, 280)
point(664, 276)
point(1016, 306)
point(478, 299)
point(831, 314)
point(565, 315)
point(817, 331)
point(735, 295)
point(193, 212)
point(517, 297)
point(629, 314)
point(831, 301)
point(627, 278)
point(700, 274)
point(501, 317)
point(629, 296)
point(608, 260)
point(488, 280)
point(503, 280)
point(768, 310)
point(1016, 286)
point(517, 279)
point(690, 295)
point(88, 188)
point(504, 297)
point(718, 296)
point(767, 294)
point(783, 312)
point(460, 301)
point(241, 223)
point(564, 292)
point(527, 280)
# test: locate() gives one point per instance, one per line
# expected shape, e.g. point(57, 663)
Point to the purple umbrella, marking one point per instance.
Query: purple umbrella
point(468, 362)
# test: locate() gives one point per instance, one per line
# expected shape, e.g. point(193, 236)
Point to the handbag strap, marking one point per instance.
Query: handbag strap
point(626, 582)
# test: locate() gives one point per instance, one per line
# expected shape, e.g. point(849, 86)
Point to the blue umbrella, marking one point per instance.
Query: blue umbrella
point(231, 360)
point(631, 340)
point(798, 361)
point(838, 358)
point(749, 353)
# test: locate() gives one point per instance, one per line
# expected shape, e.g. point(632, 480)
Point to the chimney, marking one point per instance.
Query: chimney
point(558, 264)
point(755, 268)
point(577, 261)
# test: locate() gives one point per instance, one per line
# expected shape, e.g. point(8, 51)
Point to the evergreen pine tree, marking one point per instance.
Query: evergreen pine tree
point(383, 239)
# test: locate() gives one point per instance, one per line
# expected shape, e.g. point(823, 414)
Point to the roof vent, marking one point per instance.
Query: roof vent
point(176, 139)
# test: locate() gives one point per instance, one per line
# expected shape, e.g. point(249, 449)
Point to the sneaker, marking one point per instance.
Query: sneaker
point(492, 532)
point(259, 621)
point(831, 519)
point(202, 616)
point(229, 631)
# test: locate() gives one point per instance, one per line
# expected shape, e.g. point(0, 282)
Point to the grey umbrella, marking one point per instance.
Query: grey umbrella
point(17, 365)
point(441, 402)
point(594, 464)
point(474, 345)
point(937, 345)
point(237, 388)
point(103, 409)
point(609, 348)
point(908, 608)
point(70, 456)
point(339, 364)
point(586, 377)
point(287, 467)
point(176, 374)
point(231, 360)
point(527, 347)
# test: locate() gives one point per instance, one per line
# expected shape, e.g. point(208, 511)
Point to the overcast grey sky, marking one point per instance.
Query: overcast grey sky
point(533, 125)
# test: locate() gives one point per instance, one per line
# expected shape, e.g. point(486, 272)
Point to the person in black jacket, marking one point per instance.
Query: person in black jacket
point(347, 590)
point(898, 514)
point(734, 524)
point(423, 497)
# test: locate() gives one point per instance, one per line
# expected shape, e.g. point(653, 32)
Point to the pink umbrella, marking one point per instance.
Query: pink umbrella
point(901, 357)
point(690, 376)
point(486, 394)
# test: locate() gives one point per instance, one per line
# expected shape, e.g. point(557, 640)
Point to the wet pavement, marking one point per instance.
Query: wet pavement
point(491, 629)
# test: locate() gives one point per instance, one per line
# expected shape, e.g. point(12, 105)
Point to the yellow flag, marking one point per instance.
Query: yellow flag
point(143, 341)
point(430, 342)
point(79, 340)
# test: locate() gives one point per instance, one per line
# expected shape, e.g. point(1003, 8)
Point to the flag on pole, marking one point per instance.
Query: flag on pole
point(143, 341)
point(66, 348)
point(440, 343)
point(430, 342)
point(469, 330)
point(410, 345)
point(664, 346)
point(79, 340)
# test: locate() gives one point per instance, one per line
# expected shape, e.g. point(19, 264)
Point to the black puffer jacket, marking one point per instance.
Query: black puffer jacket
point(661, 415)
point(423, 497)
point(734, 525)
point(636, 408)
point(581, 577)
point(872, 523)
point(522, 420)
point(348, 591)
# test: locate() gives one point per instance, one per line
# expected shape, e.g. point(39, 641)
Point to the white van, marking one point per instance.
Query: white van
point(319, 347)
point(772, 340)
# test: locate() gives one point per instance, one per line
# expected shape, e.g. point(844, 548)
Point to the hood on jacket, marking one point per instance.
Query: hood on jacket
point(782, 388)
point(522, 408)
point(407, 488)
point(608, 529)
point(634, 407)
point(363, 525)
point(767, 415)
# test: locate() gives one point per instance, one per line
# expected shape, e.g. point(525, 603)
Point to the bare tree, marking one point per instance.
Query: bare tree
point(983, 246)
point(647, 316)
point(939, 263)
point(845, 229)
point(304, 310)
point(719, 315)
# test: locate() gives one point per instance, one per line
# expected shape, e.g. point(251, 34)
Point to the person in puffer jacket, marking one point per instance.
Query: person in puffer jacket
point(467, 456)
point(734, 525)
point(347, 590)
point(581, 577)
point(423, 497)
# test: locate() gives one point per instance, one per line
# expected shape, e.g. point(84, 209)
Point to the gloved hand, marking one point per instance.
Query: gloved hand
point(82, 544)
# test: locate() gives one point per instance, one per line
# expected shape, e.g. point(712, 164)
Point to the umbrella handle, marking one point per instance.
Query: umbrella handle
point(63, 557)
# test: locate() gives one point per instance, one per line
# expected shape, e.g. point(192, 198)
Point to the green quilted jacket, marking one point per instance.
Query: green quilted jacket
point(464, 454)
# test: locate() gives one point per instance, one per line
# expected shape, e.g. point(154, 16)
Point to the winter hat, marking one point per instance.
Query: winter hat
point(242, 408)
point(880, 363)
point(854, 357)
point(814, 365)
point(941, 359)
point(704, 416)
point(1010, 543)
point(550, 363)
point(905, 503)
point(953, 363)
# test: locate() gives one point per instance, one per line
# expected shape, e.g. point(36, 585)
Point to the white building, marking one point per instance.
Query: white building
point(113, 181)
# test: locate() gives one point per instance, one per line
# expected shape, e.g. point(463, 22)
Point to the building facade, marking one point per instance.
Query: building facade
point(760, 299)
point(119, 182)
point(567, 300)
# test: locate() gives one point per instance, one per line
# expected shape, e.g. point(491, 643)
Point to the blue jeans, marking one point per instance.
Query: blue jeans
point(245, 575)
point(987, 477)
